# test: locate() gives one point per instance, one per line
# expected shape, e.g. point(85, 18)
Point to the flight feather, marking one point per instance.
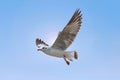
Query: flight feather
point(68, 34)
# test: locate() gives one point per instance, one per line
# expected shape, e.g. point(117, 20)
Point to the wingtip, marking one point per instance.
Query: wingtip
point(78, 10)
point(39, 41)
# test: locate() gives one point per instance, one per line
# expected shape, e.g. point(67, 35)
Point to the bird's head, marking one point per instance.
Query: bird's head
point(42, 47)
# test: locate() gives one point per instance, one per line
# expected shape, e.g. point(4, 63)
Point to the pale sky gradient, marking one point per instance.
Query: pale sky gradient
point(97, 43)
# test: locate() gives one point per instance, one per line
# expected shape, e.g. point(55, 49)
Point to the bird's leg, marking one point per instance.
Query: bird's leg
point(66, 60)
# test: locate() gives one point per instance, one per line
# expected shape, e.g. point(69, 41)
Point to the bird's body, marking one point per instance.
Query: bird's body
point(57, 52)
point(63, 41)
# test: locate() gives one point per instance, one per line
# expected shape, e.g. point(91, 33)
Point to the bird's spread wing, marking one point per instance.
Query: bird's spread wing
point(39, 41)
point(66, 37)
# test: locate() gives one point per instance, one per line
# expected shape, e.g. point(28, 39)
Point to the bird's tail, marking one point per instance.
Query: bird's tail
point(75, 55)
point(72, 55)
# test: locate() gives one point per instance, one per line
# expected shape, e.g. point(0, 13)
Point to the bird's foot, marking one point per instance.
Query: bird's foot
point(68, 63)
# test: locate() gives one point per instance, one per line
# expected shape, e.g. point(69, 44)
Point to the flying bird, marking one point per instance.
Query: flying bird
point(64, 40)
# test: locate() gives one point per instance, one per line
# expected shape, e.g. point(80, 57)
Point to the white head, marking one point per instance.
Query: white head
point(42, 47)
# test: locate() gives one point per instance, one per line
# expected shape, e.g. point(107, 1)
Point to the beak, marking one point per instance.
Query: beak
point(38, 49)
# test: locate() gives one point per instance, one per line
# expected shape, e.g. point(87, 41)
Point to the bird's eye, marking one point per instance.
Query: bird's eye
point(44, 48)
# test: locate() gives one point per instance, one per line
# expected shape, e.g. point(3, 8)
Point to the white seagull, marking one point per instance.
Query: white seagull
point(64, 40)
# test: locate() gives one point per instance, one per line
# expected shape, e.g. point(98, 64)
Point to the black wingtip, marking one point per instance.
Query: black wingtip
point(78, 11)
point(39, 41)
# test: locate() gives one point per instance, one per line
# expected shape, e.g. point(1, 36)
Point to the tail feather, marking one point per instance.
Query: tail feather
point(72, 55)
point(75, 55)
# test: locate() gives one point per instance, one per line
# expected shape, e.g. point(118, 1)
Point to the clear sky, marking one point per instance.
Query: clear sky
point(97, 43)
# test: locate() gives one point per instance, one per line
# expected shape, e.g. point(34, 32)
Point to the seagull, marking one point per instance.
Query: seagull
point(64, 40)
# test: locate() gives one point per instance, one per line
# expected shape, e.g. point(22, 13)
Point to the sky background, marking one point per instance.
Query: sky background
point(97, 43)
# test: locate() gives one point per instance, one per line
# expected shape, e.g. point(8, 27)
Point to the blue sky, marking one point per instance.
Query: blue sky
point(97, 43)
